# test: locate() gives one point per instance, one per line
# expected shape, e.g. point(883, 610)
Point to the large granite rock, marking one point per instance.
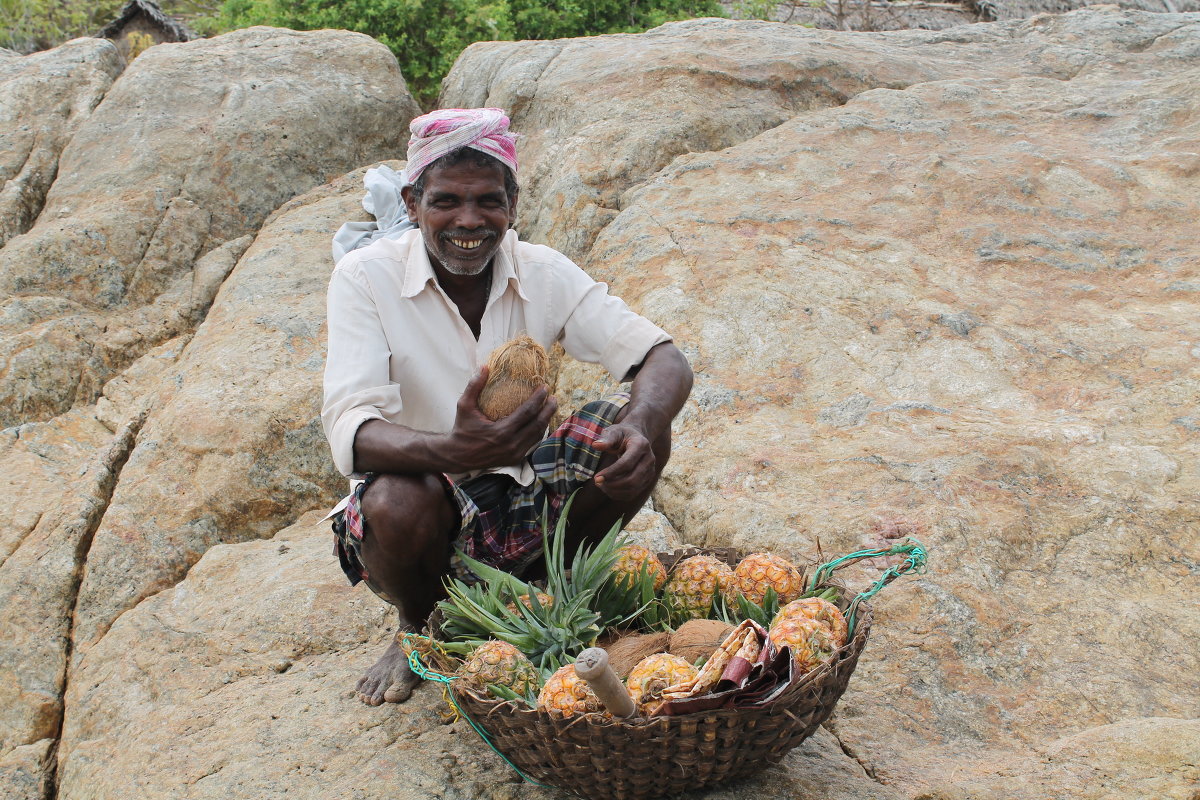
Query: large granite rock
point(941, 283)
point(193, 147)
point(63, 473)
point(704, 85)
point(158, 194)
point(967, 308)
point(233, 448)
point(44, 98)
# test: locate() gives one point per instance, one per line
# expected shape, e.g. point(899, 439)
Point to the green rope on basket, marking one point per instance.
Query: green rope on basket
point(421, 671)
point(915, 561)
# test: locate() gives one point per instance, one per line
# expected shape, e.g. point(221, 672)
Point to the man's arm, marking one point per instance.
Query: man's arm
point(661, 386)
point(475, 442)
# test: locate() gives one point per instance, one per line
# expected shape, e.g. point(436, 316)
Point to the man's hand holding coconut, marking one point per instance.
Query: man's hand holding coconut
point(446, 451)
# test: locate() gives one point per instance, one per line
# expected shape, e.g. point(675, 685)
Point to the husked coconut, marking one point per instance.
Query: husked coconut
point(698, 638)
point(625, 651)
point(516, 369)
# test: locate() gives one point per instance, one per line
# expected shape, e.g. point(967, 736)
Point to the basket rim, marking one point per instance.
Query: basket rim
point(851, 649)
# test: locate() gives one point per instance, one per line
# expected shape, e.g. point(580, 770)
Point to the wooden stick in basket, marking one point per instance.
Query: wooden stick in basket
point(592, 666)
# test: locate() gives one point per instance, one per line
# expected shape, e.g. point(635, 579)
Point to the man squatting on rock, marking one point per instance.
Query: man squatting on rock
point(411, 321)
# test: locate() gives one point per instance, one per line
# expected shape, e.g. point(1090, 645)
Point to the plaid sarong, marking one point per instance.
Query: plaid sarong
point(500, 521)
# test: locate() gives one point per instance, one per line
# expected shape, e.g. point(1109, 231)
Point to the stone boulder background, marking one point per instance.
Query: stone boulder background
point(159, 194)
point(193, 147)
point(44, 98)
point(939, 282)
point(961, 301)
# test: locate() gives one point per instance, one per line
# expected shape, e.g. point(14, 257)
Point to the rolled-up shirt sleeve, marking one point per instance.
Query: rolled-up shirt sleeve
point(603, 329)
point(358, 384)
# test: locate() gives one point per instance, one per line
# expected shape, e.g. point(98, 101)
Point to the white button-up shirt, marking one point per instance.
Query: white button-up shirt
point(400, 351)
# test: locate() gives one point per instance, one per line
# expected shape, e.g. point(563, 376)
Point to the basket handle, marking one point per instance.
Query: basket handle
point(592, 666)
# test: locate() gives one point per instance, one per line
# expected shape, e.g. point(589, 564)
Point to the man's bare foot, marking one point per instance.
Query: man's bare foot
point(390, 680)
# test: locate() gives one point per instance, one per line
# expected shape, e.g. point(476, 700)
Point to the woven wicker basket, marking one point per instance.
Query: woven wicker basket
point(598, 757)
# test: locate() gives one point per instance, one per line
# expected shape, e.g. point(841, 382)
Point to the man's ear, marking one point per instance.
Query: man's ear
point(406, 194)
point(512, 209)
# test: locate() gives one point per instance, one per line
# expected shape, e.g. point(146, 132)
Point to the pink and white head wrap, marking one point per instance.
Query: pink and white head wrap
point(440, 132)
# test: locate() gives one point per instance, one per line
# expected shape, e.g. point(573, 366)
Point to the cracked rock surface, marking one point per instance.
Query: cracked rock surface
point(44, 98)
point(159, 194)
point(957, 300)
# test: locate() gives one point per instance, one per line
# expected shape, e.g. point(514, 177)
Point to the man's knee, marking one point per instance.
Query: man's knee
point(412, 508)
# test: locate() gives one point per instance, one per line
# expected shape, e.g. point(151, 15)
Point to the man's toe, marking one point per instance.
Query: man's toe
point(398, 692)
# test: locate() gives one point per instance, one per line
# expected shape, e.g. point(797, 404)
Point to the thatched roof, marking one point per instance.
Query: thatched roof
point(173, 29)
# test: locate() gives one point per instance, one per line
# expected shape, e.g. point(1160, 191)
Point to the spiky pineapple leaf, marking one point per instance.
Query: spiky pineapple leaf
point(831, 593)
point(550, 634)
point(721, 610)
point(496, 577)
point(505, 693)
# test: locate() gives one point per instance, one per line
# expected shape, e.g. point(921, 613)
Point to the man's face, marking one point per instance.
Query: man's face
point(463, 215)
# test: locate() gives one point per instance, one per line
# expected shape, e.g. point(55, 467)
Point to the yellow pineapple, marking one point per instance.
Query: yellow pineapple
point(759, 571)
point(567, 693)
point(694, 583)
point(500, 664)
point(632, 559)
point(810, 641)
point(820, 611)
point(653, 674)
point(544, 600)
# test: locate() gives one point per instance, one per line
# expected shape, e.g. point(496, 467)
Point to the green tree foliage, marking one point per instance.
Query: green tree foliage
point(425, 35)
point(428, 35)
point(560, 19)
point(29, 25)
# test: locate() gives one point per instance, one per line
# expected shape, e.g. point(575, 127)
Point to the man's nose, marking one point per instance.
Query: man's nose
point(469, 216)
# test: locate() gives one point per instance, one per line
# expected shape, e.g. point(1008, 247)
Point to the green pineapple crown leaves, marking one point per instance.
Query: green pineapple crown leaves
point(551, 634)
point(763, 614)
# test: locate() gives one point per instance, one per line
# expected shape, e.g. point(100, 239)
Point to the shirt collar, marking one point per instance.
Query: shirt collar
point(504, 270)
point(420, 271)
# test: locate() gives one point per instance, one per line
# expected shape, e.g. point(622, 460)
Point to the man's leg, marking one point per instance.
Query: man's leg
point(409, 522)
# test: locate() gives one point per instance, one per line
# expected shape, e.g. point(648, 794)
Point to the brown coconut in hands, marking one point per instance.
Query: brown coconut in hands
point(516, 369)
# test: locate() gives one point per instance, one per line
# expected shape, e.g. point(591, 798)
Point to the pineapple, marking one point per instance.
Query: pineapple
point(652, 675)
point(694, 583)
point(818, 610)
point(810, 641)
point(500, 664)
point(632, 560)
point(543, 599)
point(567, 693)
point(759, 571)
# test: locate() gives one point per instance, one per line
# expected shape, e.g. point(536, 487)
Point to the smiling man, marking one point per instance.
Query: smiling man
point(411, 322)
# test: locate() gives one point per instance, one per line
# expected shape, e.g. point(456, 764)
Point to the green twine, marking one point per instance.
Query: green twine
point(915, 562)
point(421, 671)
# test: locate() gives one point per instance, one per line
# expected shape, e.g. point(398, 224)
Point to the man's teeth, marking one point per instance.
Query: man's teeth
point(467, 245)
